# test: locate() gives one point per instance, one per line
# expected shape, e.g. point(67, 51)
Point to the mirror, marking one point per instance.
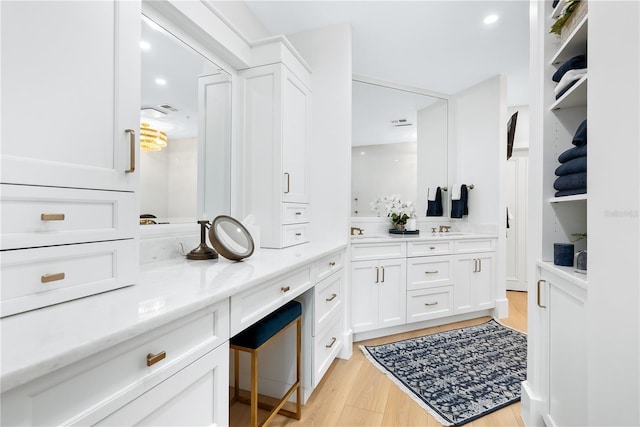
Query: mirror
point(399, 146)
point(230, 238)
point(186, 101)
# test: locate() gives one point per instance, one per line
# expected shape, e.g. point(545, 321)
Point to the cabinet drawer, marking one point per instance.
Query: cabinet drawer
point(429, 248)
point(294, 234)
point(329, 264)
point(34, 278)
point(102, 383)
point(327, 345)
point(295, 213)
point(430, 303)
point(373, 251)
point(44, 216)
point(253, 304)
point(429, 271)
point(476, 245)
point(328, 299)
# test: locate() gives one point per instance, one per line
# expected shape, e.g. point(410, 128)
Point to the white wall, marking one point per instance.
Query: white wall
point(328, 53)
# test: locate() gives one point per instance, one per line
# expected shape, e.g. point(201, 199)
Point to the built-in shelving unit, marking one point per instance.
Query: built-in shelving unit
point(574, 97)
point(574, 198)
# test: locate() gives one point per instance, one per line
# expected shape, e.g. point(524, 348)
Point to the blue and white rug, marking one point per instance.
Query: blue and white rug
point(458, 375)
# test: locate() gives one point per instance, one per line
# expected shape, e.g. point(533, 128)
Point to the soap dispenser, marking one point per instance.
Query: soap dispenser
point(203, 251)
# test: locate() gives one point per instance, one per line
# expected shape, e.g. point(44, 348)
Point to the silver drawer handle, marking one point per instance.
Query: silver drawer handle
point(298, 234)
point(333, 341)
point(46, 278)
point(52, 217)
point(429, 304)
point(152, 359)
point(285, 288)
point(431, 272)
point(298, 213)
point(332, 264)
point(432, 247)
point(331, 298)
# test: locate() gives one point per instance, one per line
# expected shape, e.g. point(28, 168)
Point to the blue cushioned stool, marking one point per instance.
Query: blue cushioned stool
point(252, 340)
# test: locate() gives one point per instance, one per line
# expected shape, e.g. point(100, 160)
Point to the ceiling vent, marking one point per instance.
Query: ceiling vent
point(400, 123)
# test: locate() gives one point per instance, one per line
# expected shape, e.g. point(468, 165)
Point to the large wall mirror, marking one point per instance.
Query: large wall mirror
point(185, 135)
point(399, 146)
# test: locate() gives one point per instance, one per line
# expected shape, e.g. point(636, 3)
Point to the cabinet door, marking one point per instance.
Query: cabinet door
point(474, 282)
point(195, 396)
point(295, 133)
point(392, 297)
point(70, 89)
point(365, 277)
point(462, 290)
point(483, 282)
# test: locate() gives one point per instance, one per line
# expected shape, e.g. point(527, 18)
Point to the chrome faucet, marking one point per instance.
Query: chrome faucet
point(354, 229)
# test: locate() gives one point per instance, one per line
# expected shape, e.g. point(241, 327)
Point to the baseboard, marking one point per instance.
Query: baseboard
point(347, 349)
point(530, 407)
point(502, 308)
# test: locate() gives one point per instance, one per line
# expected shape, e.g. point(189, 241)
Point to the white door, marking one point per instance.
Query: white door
point(295, 134)
point(70, 90)
point(462, 291)
point(392, 293)
point(365, 278)
point(516, 173)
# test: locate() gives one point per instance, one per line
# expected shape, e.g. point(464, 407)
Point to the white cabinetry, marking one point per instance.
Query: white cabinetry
point(475, 278)
point(70, 114)
point(147, 380)
point(276, 123)
point(379, 294)
point(562, 297)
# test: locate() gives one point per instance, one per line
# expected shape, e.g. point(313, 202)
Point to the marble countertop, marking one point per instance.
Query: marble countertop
point(38, 342)
point(422, 237)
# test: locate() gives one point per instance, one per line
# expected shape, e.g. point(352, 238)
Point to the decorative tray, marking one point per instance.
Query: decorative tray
point(394, 231)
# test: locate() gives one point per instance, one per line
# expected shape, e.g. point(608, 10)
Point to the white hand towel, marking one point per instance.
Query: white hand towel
point(569, 77)
point(431, 193)
point(455, 191)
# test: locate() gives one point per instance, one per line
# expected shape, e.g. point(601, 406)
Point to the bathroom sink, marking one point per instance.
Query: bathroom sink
point(370, 236)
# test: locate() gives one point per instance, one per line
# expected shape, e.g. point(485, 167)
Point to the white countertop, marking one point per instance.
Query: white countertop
point(38, 342)
point(422, 237)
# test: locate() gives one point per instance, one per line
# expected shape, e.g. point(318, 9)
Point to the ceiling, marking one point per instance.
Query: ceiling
point(442, 46)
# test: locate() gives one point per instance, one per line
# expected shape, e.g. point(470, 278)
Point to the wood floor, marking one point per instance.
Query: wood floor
point(355, 393)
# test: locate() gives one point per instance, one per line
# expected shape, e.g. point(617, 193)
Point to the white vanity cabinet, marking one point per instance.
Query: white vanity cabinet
point(562, 297)
point(474, 275)
point(70, 114)
point(177, 373)
point(276, 122)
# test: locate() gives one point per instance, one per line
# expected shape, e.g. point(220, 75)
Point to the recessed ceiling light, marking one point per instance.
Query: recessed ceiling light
point(362, 153)
point(161, 81)
point(490, 19)
point(144, 45)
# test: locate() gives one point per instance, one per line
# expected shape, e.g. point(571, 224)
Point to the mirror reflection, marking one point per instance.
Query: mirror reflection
point(185, 119)
point(399, 147)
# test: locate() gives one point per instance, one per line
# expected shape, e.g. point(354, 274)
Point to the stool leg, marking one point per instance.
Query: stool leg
point(236, 374)
point(298, 368)
point(254, 389)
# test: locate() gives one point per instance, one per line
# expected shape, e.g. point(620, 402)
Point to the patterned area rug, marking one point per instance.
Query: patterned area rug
point(458, 375)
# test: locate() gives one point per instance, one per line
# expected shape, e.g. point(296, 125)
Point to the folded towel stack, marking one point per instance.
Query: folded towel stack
point(572, 172)
point(569, 73)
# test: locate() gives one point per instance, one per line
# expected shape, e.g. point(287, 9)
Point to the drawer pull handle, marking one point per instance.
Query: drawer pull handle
point(52, 217)
point(298, 213)
point(285, 288)
point(540, 305)
point(132, 150)
point(431, 272)
point(332, 264)
point(432, 247)
point(429, 304)
point(152, 359)
point(298, 234)
point(331, 298)
point(333, 341)
point(46, 278)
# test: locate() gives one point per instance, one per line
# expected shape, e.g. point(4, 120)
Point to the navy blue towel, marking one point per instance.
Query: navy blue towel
point(580, 137)
point(572, 166)
point(573, 153)
point(571, 182)
point(434, 207)
point(460, 207)
point(581, 190)
point(555, 3)
point(575, 63)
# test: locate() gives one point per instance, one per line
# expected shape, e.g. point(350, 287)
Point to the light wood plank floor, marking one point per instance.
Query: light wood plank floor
point(355, 393)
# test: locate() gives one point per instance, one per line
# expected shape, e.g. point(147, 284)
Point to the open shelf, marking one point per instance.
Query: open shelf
point(575, 197)
point(575, 44)
point(568, 273)
point(574, 97)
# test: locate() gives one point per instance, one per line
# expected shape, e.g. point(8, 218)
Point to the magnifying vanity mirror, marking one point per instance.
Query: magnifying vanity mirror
point(230, 238)
point(399, 146)
point(185, 116)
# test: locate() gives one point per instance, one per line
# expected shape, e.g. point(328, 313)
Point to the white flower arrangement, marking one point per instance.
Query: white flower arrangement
point(394, 208)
